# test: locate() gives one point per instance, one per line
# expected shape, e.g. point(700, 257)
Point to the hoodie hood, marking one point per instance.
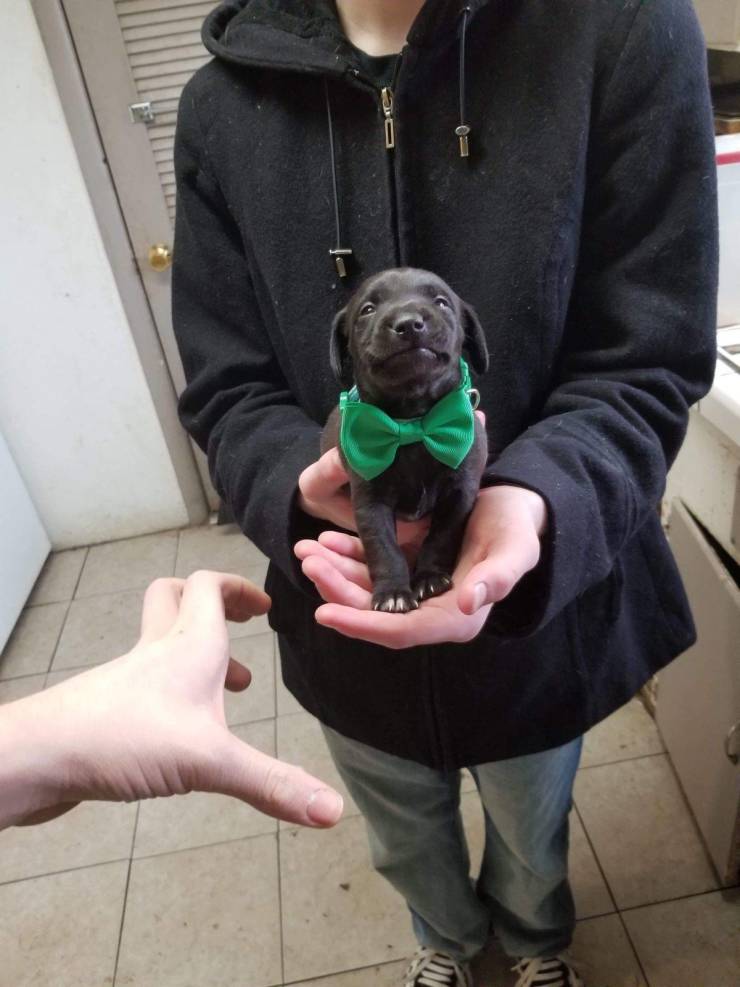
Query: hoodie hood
point(306, 36)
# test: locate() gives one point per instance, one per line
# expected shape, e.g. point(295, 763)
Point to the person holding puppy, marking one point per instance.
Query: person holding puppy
point(554, 164)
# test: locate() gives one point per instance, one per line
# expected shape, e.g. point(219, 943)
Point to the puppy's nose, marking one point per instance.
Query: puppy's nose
point(408, 324)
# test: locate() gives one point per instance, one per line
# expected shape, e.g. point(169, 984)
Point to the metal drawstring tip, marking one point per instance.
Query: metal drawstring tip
point(462, 133)
point(339, 253)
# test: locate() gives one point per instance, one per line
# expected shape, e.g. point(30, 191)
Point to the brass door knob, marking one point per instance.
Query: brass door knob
point(160, 256)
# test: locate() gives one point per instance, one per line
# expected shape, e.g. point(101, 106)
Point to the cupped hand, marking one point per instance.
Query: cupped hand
point(152, 722)
point(501, 544)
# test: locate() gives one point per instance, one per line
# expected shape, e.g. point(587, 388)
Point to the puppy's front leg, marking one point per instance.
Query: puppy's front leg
point(389, 571)
point(438, 554)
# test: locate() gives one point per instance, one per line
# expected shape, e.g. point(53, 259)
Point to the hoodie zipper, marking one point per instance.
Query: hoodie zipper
point(430, 698)
point(386, 95)
point(386, 105)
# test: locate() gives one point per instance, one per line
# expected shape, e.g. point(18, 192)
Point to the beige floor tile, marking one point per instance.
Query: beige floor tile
point(475, 831)
point(630, 732)
point(338, 914)
point(58, 578)
point(300, 740)
point(387, 975)
point(605, 956)
point(129, 564)
point(286, 703)
point(203, 917)
point(201, 818)
point(693, 942)
point(642, 831)
point(258, 701)
point(33, 640)
point(62, 930)
point(99, 628)
point(20, 688)
point(91, 833)
point(589, 890)
point(467, 782)
point(220, 547)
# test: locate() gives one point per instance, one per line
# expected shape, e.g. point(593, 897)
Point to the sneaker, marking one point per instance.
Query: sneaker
point(430, 968)
point(555, 971)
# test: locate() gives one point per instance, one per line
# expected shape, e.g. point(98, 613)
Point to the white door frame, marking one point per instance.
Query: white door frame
point(146, 311)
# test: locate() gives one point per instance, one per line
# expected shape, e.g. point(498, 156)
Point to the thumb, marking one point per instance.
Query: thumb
point(281, 790)
point(324, 477)
point(496, 576)
point(488, 582)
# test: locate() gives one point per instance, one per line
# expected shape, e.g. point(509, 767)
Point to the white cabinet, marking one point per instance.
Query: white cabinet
point(23, 543)
point(706, 474)
point(699, 693)
point(698, 703)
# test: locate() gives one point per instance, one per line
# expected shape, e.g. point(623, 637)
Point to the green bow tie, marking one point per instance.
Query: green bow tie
point(370, 438)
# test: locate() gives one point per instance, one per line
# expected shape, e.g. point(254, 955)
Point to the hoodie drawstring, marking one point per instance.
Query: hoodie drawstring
point(463, 130)
point(338, 252)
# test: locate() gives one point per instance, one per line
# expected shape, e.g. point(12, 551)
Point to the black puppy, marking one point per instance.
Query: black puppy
point(400, 339)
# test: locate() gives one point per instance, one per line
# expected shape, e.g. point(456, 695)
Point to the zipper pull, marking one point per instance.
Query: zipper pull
point(386, 102)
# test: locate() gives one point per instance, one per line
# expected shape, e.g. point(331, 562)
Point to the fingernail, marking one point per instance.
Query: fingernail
point(479, 595)
point(325, 806)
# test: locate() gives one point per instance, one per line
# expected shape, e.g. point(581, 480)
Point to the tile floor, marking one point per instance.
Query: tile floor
point(201, 891)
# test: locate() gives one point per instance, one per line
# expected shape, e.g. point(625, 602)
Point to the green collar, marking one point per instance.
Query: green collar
point(370, 438)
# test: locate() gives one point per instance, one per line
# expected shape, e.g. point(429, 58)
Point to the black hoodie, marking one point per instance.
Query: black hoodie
point(583, 229)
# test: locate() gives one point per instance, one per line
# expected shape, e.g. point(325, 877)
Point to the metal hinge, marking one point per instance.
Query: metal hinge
point(141, 112)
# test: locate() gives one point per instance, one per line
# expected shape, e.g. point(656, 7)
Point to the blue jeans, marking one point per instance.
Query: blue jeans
point(417, 843)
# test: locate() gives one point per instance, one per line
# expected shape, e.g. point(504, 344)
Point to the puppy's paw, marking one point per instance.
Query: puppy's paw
point(394, 600)
point(425, 585)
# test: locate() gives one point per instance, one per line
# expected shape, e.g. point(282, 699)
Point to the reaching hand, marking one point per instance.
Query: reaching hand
point(501, 544)
point(151, 723)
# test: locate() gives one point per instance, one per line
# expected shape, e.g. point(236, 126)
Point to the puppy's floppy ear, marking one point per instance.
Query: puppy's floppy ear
point(475, 340)
point(339, 358)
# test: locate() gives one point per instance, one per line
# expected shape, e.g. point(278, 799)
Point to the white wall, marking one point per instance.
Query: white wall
point(74, 404)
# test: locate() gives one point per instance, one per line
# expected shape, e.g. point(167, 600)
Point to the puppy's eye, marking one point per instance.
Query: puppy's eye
point(367, 309)
point(441, 301)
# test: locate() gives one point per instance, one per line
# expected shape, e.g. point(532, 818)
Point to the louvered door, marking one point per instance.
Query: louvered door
point(162, 41)
point(133, 53)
